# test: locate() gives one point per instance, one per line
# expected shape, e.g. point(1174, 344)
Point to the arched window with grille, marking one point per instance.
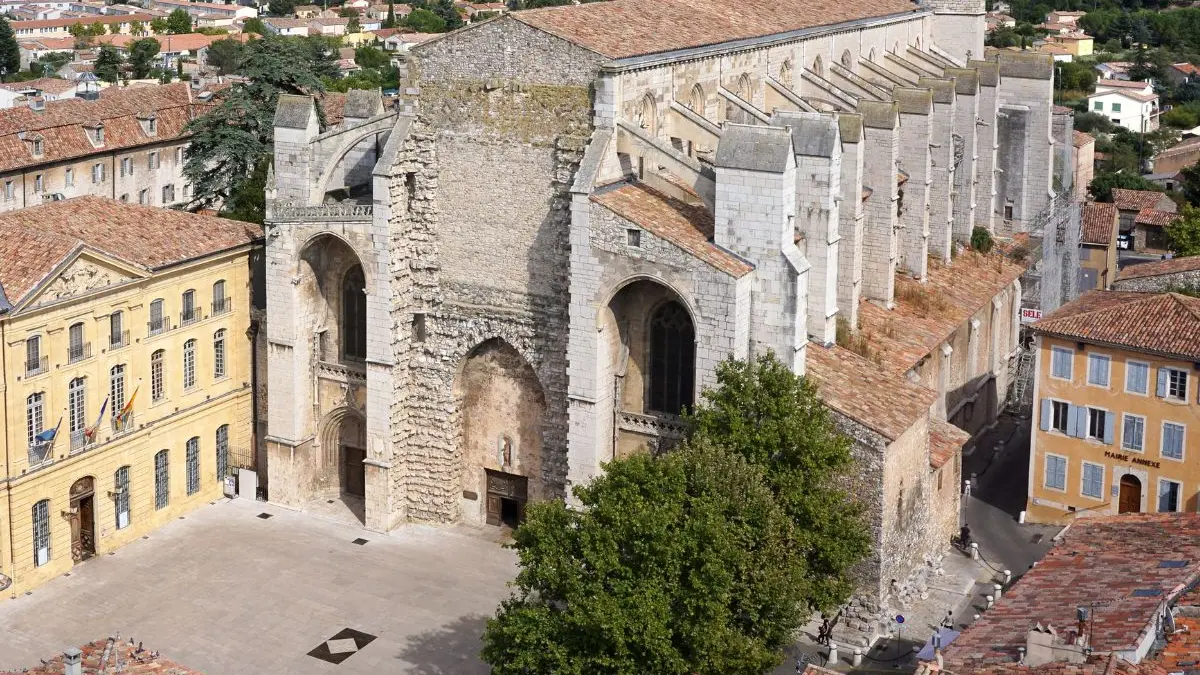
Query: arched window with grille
point(354, 314)
point(189, 364)
point(116, 388)
point(162, 480)
point(672, 359)
point(745, 88)
point(219, 354)
point(189, 312)
point(156, 375)
point(158, 323)
point(220, 302)
point(41, 533)
point(35, 417)
point(121, 497)
point(192, 465)
point(76, 405)
point(222, 451)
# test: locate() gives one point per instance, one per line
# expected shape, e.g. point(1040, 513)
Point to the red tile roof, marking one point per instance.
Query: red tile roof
point(927, 314)
point(1122, 84)
point(53, 85)
point(1098, 223)
point(1156, 217)
point(945, 441)
point(623, 28)
point(688, 227)
point(1099, 564)
point(1080, 139)
point(89, 19)
point(1135, 200)
point(866, 393)
point(132, 661)
point(35, 240)
point(1189, 263)
point(1186, 68)
point(1184, 146)
point(1164, 323)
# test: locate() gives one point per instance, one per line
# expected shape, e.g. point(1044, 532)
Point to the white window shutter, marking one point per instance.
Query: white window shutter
point(1047, 412)
point(1072, 420)
point(1108, 428)
point(1162, 382)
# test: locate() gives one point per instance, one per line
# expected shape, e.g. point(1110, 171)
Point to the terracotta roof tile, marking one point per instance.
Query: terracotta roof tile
point(624, 28)
point(1164, 323)
point(1135, 200)
point(866, 393)
point(1186, 68)
point(1098, 223)
point(1156, 217)
point(926, 314)
point(1189, 263)
point(945, 441)
point(89, 19)
point(133, 662)
point(1187, 145)
point(1123, 84)
point(53, 85)
point(688, 227)
point(1080, 139)
point(35, 240)
point(1099, 564)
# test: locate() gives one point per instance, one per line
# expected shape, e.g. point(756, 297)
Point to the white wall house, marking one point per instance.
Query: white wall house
point(1132, 105)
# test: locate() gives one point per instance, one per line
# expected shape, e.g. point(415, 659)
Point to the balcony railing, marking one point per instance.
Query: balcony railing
point(222, 305)
point(37, 366)
point(118, 341)
point(123, 424)
point(39, 452)
point(77, 353)
point(158, 327)
point(188, 318)
point(80, 440)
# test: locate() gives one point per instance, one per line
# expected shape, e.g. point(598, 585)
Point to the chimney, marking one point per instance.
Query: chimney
point(37, 103)
point(72, 662)
point(1045, 645)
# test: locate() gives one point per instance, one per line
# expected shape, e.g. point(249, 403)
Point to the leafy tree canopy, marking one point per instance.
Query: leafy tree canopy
point(1102, 185)
point(255, 25)
point(371, 57)
point(1184, 236)
point(179, 22)
point(224, 55)
point(141, 56)
point(282, 7)
point(1190, 184)
point(425, 21)
point(10, 53)
point(159, 26)
point(108, 64)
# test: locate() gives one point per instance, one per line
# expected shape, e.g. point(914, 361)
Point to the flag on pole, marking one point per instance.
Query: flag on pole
point(90, 432)
point(128, 407)
point(45, 440)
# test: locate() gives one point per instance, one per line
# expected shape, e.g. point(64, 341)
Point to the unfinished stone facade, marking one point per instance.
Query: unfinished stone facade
point(577, 225)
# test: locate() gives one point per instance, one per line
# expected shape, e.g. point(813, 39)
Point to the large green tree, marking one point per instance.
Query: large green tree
point(141, 56)
point(179, 22)
point(390, 21)
point(234, 138)
point(425, 21)
point(224, 55)
point(108, 64)
point(282, 7)
point(674, 565)
point(1184, 236)
point(1189, 184)
point(10, 53)
point(1102, 185)
point(773, 418)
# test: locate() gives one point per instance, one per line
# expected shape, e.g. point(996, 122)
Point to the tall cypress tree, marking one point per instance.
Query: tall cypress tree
point(390, 22)
point(10, 53)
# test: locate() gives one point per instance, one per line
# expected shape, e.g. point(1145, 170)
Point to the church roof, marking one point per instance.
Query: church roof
point(686, 226)
point(625, 28)
point(866, 393)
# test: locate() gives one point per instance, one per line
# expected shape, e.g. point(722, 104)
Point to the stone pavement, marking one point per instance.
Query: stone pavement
point(228, 593)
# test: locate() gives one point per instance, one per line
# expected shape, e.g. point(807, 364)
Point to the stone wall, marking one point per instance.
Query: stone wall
point(1161, 283)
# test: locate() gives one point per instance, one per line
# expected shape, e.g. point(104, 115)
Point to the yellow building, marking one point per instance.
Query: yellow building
point(1077, 44)
point(1097, 246)
point(1116, 413)
point(125, 329)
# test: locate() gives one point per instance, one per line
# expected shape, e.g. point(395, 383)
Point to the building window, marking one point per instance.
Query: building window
point(39, 147)
point(156, 375)
point(672, 362)
point(126, 166)
point(152, 126)
point(1056, 472)
point(1098, 369)
point(189, 364)
point(1133, 432)
point(222, 451)
point(1116, 107)
point(1172, 383)
point(219, 354)
point(354, 314)
point(1168, 496)
point(157, 322)
point(143, 196)
point(1172, 440)
point(1137, 377)
point(116, 388)
point(125, 197)
point(193, 465)
point(189, 313)
point(1099, 425)
point(10, 191)
point(152, 160)
point(76, 405)
point(76, 349)
point(1098, 105)
point(38, 183)
point(1060, 362)
point(97, 173)
point(69, 177)
point(1093, 481)
point(1059, 411)
point(220, 303)
point(35, 417)
point(179, 155)
point(121, 500)
point(633, 238)
point(116, 330)
point(162, 478)
point(98, 135)
point(168, 194)
point(34, 364)
point(41, 533)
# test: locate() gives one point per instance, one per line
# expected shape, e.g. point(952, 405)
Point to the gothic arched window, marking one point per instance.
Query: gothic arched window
point(697, 99)
point(785, 74)
point(354, 314)
point(819, 67)
point(649, 114)
point(672, 359)
point(745, 88)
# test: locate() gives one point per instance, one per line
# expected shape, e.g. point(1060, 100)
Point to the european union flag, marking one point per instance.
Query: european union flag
point(47, 435)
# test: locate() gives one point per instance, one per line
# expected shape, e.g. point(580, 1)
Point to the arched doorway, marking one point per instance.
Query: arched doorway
point(650, 345)
point(1130, 496)
point(83, 519)
point(502, 405)
point(333, 300)
point(342, 473)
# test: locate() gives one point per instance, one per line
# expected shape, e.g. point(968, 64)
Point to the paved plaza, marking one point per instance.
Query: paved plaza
point(227, 592)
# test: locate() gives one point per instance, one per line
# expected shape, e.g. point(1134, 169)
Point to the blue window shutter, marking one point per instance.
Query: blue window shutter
point(1108, 428)
point(1162, 382)
point(1047, 411)
point(1072, 420)
point(1081, 423)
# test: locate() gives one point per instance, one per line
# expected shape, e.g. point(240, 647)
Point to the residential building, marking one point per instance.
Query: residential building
point(1098, 246)
point(395, 41)
point(1183, 73)
point(1160, 276)
point(380, 12)
point(1057, 51)
point(1114, 70)
point(329, 27)
point(127, 145)
point(306, 11)
point(1116, 393)
point(1177, 157)
point(172, 48)
point(212, 9)
point(1115, 595)
point(280, 26)
point(1144, 214)
point(1065, 18)
point(1132, 105)
point(1085, 162)
point(33, 49)
point(52, 28)
point(1076, 43)
point(128, 386)
point(45, 88)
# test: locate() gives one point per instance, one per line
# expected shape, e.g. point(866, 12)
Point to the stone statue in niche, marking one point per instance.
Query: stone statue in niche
point(504, 451)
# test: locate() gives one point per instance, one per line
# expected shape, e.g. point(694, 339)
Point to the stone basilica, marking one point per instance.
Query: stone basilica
point(535, 262)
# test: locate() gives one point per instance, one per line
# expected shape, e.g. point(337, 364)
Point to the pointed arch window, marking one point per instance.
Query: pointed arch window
point(818, 67)
point(649, 114)
point(672, 359)
point(745, 88)
point(696, 99)
point(785, 74)
point(354, 314)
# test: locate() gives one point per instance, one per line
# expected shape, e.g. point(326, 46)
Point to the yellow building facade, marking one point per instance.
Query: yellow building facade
point(1116, 416)
point(127, 332)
